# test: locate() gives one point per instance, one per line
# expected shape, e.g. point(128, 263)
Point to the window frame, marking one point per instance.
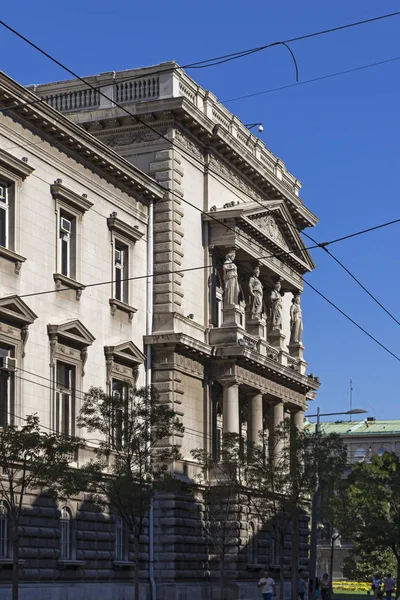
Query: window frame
point(125, 284)
point(7, 384)
point(61, 393)
point(66, 534)
point(120, 540)
point(5, 542)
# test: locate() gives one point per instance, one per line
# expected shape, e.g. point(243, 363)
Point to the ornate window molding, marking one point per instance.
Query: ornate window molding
point(15, 318)
point(18, 167)
point(122, 363)
point(72, 199)
point(69, 343)
point(121, 228)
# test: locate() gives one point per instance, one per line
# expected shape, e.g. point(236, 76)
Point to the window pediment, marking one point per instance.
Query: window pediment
point(74, 200)
point(121, 228)
point(15, 311)
point(73, 333)
point(14, 165)
point(123, 361)
point(127, 352)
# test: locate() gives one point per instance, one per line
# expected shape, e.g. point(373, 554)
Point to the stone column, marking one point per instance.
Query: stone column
point(231, 422)
point(298, 418)
point(255, 418)
point(277, 417)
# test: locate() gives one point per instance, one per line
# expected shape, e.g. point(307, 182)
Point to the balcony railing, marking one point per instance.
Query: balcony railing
point(160, 83)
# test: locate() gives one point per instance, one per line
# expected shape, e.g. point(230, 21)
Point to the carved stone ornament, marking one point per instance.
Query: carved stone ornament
point(24, 338)
point(189, 145)
point(219, 167)
point(256, 292)
point(268, 224)
point(133, 137)
point(231, 292)
point(84, 355)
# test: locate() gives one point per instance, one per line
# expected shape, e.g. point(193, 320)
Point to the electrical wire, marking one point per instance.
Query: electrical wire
point(43, 52)
point(321, 78)
point(322, 245)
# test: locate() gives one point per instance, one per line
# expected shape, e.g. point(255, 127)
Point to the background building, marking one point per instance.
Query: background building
point(225, 338)
point(362, 439)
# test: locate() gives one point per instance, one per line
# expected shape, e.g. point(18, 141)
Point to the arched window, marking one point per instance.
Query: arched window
point(65, 534)
point(359, 454)
point(382, 451)
point(119, 539)
point(4, 541)
point(252, 544)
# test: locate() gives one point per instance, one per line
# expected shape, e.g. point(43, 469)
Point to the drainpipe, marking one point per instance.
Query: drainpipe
point(149, 328)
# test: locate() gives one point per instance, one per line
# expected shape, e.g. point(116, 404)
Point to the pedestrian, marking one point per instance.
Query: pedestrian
point(302, 587)
point(388, 586)
point(325, 587)
point(268, 587)
point(376, 586)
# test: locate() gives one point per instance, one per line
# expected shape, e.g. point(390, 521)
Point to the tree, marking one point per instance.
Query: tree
point(378, 482)
point(33, 460)
point(283, 474)
point(340, 512)
point(219, 485)
point(362, 565)
point(133, 460)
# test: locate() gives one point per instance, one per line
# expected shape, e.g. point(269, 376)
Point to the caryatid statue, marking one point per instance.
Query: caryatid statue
point(231, 295)
point(256, 291)
point(296, 320)
point(276, 303)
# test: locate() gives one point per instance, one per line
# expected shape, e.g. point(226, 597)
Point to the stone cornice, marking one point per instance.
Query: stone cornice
point(16, 166)
point(122, 228)
point(210, 135)
point(55, 127)
point(74, 200)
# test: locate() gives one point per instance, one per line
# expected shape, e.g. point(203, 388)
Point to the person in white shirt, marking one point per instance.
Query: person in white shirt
point(388, 585)
point(268, 587)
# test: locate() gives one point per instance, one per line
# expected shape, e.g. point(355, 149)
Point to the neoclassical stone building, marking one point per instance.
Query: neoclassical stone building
point(215, 219)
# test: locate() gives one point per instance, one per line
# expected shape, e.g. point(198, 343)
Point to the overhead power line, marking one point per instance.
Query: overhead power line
point(32, 44)
point(284, 253)
point(313, 80)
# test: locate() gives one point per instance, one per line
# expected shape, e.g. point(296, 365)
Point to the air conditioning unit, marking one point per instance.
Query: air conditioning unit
point(65, 225)
point(118, 257)
point(7, 363)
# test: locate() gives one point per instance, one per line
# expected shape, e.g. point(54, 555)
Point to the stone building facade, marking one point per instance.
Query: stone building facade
point(223, 335)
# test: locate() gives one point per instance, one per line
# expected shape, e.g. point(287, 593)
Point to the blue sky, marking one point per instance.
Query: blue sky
point(340, 137)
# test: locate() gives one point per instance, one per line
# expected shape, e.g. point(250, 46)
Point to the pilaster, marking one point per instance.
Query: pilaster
point(168, 232)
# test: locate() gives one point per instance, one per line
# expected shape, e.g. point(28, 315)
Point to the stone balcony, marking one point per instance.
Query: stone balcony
point(160, 82)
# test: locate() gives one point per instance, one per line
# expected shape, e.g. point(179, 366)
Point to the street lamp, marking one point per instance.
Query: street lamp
point(315, 501)
point(251, 125)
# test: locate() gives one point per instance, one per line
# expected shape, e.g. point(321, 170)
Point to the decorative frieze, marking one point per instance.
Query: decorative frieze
point(126, 138)
point(220, 168)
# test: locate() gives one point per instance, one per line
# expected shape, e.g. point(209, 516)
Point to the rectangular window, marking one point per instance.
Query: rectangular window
point(4, 214)
point(7, 386)
point(121, 273)
point(120, 391)
point(67, 235)
point(65, 399)
point(119, 540)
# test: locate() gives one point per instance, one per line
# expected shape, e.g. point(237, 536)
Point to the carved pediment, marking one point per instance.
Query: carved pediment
point(15, 311)
point(268, 225)
point(73, 333)
point(127, 353)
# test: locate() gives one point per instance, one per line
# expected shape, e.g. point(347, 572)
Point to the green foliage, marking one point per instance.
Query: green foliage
point(133, 459)
point(361, 565)
point(35, 460)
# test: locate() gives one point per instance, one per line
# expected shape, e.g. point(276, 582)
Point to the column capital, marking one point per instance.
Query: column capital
point(228, 383)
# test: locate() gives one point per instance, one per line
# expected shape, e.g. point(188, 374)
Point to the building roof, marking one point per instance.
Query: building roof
point(50, 124)
point(354, 428)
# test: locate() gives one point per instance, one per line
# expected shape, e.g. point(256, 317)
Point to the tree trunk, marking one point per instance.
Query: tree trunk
point(281, 566)
point(135, 565)
point(295, 555)
point(15, 581)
